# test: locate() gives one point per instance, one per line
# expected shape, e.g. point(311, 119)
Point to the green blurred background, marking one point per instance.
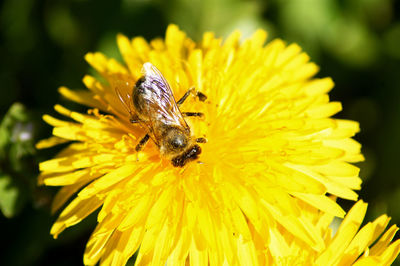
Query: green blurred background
point(42, 44)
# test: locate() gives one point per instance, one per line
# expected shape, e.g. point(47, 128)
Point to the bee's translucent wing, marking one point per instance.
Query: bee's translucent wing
point(160, 100)
point(126, 100)
point(161, 87)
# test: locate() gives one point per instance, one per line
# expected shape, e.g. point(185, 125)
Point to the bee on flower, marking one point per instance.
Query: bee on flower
point(236, 171)
point(152, 104)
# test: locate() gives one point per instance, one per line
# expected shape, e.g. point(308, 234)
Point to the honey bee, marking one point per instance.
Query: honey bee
point(153, 106)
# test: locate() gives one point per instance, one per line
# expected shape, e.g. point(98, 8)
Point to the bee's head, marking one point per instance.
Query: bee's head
point(175, 140)
point(179, 146)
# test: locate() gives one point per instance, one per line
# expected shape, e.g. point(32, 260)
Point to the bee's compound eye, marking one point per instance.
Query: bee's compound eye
point(178, 141)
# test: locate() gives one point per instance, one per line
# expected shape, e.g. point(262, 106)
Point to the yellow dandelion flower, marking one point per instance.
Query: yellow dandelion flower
point(370, 245)
point(271, 143)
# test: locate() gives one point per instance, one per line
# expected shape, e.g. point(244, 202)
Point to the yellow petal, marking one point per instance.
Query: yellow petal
point(344, 235)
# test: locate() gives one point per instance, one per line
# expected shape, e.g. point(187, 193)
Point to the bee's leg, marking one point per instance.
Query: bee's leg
point(181, 100)
point(193, 114)
point(134, 119)
point(142, 142)
point(201, 140)
point(202, 97)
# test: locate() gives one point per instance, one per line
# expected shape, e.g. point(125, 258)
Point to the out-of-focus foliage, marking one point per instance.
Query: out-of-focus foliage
point(16, 150)
point(42, 44)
